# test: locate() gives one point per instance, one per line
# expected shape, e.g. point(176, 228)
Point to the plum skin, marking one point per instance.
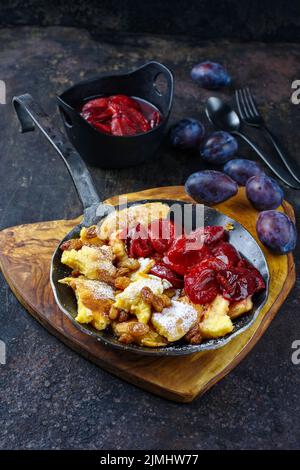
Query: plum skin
point(241, 169)
point(187, 134)
point(210, 75)
point(264, 192)
point(210, 186)
point(276, 231)
point(219, 147)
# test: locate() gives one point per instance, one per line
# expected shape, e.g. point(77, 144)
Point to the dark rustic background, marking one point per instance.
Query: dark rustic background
point(50, 397)
point(246, 20)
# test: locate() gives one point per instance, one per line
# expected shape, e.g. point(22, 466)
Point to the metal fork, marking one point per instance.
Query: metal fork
point(250, 115)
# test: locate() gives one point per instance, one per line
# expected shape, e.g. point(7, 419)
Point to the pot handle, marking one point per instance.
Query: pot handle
point(148, 75)
point(30, 114)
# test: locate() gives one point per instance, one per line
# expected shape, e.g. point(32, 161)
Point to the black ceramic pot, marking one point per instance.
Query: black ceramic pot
point(109, 151)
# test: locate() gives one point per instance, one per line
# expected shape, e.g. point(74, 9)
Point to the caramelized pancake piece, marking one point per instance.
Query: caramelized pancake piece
point(238, 308)
point(119, 250)
point(200, 308)
point(92, 262)
point(72, 244)
point(145, 266)
point(148, 337)
point(141, 213)
point(89, 236)
point(216, 321)
point(175, 321)
point(153, 340)
point(131, 301)
point(212, 317)
point(94, 299)
point(194, 335)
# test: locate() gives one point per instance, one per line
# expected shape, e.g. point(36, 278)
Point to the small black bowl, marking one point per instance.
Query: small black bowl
point(153, 82)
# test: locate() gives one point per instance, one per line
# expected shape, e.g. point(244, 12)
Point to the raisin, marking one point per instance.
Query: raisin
point(73, 244)
point(147, 295)
point(122, 282)
point(123, 316)
point(138, 329)
point(126, 338)
point(91, 232)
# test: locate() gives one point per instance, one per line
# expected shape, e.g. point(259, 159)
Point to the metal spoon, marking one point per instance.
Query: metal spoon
point(225, 118)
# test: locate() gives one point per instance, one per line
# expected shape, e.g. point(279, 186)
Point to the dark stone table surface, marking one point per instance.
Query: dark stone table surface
point(50, 396)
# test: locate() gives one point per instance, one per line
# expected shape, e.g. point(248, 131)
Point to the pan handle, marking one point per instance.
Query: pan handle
point(30, 113)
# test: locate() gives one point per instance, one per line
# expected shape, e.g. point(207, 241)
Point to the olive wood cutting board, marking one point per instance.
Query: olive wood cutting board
point(25, 255)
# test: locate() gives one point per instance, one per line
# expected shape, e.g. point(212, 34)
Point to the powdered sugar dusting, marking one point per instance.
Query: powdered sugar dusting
point(145, 266)
point(175, 321)
point(156, 284)
point(100, 290)
point(177, 294)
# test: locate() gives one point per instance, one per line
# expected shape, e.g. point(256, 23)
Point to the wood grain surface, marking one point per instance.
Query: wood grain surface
point(25, 254)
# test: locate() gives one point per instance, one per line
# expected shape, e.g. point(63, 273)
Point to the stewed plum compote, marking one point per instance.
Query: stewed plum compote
point(121, 115)
point(203, 262)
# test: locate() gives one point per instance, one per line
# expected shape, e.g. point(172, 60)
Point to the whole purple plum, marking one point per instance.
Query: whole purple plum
point(210, 75)
point(276, 231)
point(241, 169)
point(187, 134)
point(210, 187)
point(264, 192)
point(219, 148)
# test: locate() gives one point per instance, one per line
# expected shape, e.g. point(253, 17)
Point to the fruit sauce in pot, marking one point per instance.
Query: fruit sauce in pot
point(120, 115)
